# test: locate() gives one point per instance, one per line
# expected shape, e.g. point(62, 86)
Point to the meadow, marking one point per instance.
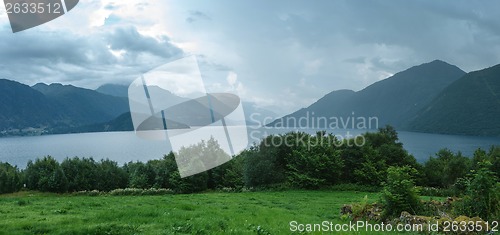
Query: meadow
point(203, 213)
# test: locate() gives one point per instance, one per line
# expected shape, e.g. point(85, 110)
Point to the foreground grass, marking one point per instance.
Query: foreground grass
point(207, 213)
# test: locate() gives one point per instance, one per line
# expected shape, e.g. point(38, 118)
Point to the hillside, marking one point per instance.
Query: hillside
point(261, 115)
point(54, 108)
point(23, 107)
point(469, 106)
point(81, 106)
point(394, 100)
point(114, 90)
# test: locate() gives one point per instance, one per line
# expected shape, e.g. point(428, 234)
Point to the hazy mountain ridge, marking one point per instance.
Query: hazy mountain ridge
point(22, 107)
point(433, 97)
point(52, 108)
point(395, 100)
point(261, 115)
point(78, 106)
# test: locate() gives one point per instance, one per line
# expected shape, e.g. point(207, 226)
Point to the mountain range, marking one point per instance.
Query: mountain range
point(469, 106)
point(433, 97)
point(57, 109)
point(248, 107)
point(53, 108)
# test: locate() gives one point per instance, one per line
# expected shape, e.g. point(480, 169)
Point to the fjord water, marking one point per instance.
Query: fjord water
point(126, 146)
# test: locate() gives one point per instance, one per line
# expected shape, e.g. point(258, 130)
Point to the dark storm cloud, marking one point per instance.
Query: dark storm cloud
point(84, 60)
point(312, 48)
point(306, 49)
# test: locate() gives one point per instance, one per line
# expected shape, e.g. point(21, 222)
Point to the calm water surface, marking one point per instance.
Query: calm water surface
point(126, 146)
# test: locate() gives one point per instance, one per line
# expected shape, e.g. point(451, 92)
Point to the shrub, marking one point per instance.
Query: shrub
point(482, 197)
point(399, 193)
point(139, 192)
point(355, 187)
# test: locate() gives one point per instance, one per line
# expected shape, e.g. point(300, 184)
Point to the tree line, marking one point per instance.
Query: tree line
point(291, 160)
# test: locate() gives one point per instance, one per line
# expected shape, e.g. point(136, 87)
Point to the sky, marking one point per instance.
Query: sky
point(281, 55)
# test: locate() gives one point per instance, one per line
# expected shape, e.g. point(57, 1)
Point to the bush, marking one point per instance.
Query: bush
point(399, 193)
point(88, 193)
point(482, 197)
point(139, 192)
point(355, 187)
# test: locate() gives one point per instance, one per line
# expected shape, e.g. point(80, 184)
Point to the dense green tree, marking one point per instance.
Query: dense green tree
point(228, 175)
point(81, 173)
point(191, 184)
point(110, 176)
point(367, 164)
point(160, 171)
point(46, 175)
point(482, 197)
point(10, 178)
point(314, 163)
point(444, 170)
point(265, 164)
point(141, 175)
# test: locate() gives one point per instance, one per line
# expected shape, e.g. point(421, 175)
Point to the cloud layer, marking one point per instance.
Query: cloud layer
point(286, 54)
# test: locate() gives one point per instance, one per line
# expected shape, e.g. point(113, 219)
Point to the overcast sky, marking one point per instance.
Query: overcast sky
point(286, 54)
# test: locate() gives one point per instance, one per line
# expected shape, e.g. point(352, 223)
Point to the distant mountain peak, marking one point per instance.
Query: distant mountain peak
point(394, 100)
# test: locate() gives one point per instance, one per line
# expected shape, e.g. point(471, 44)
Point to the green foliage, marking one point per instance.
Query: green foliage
point(46, 175)
point(301, 160)
point(191, 184)
point(265, 163)
point(228, 175)
point(314, 163)
point(10, 178)
point(110, 176)
point(355, 187)
point(292, 160)
point(469, 106)
point(399, 192)
point(141, 175)
point(367, 164)
point(82, 173)
point(446, 168)
point(493, 156)
point(482, 197)
point(139, 192)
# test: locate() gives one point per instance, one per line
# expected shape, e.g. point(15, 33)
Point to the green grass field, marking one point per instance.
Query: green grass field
point(206, 213)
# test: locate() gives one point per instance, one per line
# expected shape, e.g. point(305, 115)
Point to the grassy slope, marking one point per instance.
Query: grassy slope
point(208, 213)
